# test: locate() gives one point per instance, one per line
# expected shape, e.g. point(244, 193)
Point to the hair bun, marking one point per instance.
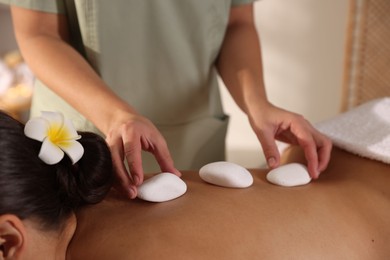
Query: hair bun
point(89, 180)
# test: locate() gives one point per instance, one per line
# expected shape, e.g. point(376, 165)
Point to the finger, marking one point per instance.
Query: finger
point(305, 135)
point(310, 150)
point(123, 179)
point(324, 153)
point(132, 151)
point(270, 149)
point(163, 157)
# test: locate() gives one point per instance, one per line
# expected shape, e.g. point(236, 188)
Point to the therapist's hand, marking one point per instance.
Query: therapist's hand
point(129, 134)
point(271, 123)
point(240, 66)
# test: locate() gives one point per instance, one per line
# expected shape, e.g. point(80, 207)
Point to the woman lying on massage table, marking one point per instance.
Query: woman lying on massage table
point(345, 214)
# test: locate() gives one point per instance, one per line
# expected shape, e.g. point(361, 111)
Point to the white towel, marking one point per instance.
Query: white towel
point(364, 130)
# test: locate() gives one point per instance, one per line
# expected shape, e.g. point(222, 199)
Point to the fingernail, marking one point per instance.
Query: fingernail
point(136, 180)
point(133, 192)
point(271, 162)
point(317, 174)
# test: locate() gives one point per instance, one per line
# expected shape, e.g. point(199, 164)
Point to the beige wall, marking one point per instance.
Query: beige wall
point(303, 47)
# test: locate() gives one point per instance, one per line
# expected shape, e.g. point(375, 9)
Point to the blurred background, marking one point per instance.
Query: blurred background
point(303, 58)
point(16, 79)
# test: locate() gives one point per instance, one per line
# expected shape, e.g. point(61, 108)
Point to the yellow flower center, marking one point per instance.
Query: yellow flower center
point(57, 134)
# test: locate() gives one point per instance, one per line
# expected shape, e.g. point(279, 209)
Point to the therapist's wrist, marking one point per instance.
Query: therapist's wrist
point(115, 116)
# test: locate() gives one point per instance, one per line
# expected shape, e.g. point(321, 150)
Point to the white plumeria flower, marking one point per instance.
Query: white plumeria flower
point(58, 136)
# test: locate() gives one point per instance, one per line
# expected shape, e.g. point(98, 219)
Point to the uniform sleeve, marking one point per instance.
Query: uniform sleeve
point(240, 2)
point(50, 6)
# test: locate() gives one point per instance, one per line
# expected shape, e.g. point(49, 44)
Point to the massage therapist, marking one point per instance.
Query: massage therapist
point(148, 80)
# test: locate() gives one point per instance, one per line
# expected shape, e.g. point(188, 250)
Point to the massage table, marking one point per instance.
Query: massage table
point(345, 214)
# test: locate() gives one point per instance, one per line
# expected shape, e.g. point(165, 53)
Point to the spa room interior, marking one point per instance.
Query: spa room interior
point(328, 60)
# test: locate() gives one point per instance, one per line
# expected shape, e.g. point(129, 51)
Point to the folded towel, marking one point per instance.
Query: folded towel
point(364, 130)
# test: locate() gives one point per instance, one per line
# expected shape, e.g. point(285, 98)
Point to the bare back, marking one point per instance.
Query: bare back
point(345, 214)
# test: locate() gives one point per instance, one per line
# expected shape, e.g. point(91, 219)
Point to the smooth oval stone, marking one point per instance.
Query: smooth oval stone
point(289, 175)
point(226, 174)
point(162, 187)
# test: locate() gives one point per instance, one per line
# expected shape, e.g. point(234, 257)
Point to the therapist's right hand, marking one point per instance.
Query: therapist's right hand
point(128, 135)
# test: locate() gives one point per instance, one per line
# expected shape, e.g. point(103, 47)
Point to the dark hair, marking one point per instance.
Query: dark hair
point(30, 188)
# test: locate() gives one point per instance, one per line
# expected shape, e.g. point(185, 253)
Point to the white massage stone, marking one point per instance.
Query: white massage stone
point(162, 187)
point(289, 175)
point(226, 174)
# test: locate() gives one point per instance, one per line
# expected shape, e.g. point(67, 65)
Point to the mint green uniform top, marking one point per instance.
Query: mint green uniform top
point(159, 56)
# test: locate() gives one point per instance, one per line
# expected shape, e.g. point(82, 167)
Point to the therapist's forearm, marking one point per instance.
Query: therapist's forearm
point(240, 65)
point(42, 39)
point(67, 73)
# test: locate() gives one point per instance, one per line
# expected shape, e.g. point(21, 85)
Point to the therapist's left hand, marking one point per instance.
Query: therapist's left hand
point(271, 123)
